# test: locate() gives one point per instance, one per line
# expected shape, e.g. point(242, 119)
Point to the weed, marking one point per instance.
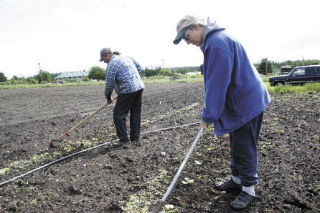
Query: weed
point(187, 181)
point(41, 158)
point(4, 170)
point(68, 148)
point(30, 189)
point(33, 202)
point(135, 203)
point(86, 143)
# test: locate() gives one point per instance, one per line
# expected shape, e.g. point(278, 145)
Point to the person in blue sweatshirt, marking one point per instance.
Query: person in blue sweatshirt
point(235, 99)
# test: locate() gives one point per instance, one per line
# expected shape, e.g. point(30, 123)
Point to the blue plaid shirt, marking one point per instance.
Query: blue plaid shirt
point(123, 75)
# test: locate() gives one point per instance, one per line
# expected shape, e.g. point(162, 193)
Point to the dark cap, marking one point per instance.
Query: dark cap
point(183, 25)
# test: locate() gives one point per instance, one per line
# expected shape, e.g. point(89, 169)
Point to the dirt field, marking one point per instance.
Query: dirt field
point(134, 178)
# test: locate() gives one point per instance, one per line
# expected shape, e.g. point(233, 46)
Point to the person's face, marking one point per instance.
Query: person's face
point(194, 35)
point(106, 58)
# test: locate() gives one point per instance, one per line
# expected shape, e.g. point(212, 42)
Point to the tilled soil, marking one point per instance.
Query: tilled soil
point(134, 177)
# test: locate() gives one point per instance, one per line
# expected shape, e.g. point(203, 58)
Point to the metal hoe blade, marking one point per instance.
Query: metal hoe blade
point(164, 198)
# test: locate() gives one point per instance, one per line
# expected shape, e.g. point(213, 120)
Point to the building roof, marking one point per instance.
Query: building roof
point(73, 75)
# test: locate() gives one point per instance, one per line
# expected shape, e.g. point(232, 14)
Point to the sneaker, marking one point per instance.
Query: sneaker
point(119, 143)
point(229, 186)
point(242, 201)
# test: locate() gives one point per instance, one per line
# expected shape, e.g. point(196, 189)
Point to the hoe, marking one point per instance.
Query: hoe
point(163, 200)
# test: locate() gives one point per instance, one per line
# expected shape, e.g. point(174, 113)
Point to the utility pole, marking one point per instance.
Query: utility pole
point(266, 66)
point(40, 72)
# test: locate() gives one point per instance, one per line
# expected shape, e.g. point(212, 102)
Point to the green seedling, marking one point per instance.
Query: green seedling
point(187, 181)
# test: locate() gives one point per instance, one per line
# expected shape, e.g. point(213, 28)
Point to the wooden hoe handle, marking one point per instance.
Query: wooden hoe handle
point(87, 118)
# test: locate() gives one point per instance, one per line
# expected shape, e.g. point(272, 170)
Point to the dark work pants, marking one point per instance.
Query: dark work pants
point(243, 143)
point(126, 103)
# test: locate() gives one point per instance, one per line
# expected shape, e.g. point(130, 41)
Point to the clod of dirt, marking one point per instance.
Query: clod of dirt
point(108, 167)
point(114, 207)
point(55, 143)
point(72, 190)
point(13, 209)
point(129, 160)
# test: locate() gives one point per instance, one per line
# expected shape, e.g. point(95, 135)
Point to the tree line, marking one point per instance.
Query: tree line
point(264, 67)
point(268, 67)
point(41, 77)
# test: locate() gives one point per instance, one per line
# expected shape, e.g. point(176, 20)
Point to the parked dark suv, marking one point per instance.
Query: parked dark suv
point(299, 75)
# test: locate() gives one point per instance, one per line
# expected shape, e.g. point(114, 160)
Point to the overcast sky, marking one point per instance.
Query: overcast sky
point(67, 35)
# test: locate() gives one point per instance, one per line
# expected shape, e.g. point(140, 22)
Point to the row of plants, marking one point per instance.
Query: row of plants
point(299, 89)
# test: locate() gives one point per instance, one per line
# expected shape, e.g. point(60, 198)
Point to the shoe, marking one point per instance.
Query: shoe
point(242, 201)
point(229, 186)
point(119, 143)
point(136, 142)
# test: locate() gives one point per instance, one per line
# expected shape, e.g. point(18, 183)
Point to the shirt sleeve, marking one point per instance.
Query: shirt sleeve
point(137, 65)
point(217, 80)
point(110, 79)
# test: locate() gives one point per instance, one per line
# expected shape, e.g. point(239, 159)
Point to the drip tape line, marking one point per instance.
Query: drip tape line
point(85, 150)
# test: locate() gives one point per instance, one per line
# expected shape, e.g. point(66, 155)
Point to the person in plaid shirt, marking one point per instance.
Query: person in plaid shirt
point(123, 75)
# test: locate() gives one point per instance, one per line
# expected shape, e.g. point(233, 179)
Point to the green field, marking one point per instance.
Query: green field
point(310, 87)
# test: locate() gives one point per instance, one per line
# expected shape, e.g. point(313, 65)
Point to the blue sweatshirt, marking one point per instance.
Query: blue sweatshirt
point(234, 90)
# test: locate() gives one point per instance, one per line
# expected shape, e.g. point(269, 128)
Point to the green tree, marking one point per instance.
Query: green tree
point(166, 72)
point(265, 67)
point(3, 78)
point(148, 72)
point(43, 77)
point(32, 81)
point(97, 73)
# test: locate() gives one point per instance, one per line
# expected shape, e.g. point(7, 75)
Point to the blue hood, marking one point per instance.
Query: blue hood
point(209, 28)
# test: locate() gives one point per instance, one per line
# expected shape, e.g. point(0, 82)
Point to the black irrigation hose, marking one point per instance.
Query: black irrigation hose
point(85, 150)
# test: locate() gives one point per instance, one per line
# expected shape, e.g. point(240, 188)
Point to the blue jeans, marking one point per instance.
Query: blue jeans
point(243, 143)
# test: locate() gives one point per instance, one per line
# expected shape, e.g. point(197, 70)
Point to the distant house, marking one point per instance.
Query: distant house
point(193, 73)
point(78, 76)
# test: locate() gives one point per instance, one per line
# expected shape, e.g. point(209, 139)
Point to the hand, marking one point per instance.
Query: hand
point(204, 124)
point(109, 101)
